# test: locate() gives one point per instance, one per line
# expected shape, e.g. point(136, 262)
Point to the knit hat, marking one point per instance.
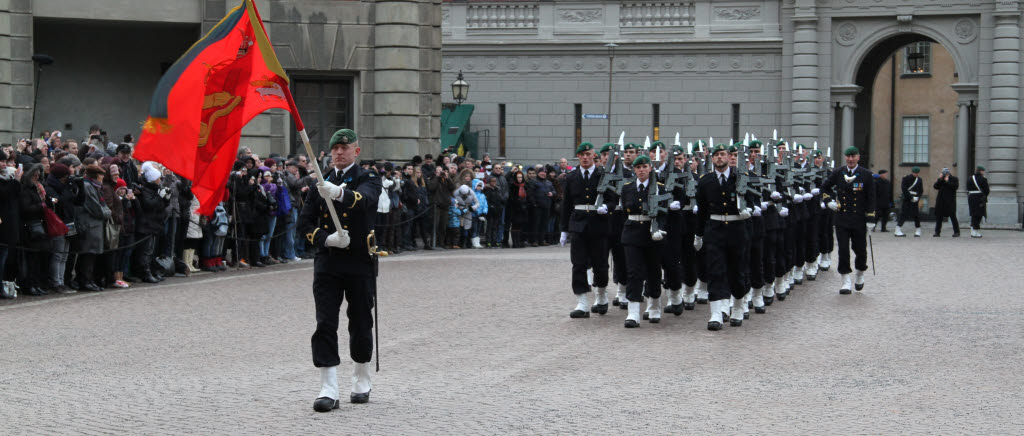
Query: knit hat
point(70, 160)
point(640, 160)
point(93, 170)
point(584, 147)
point(915, 170)
point(851, 151)
point(121, 183)
point(343, 136)
point(149, 173)
point(463, 190)
point(59, 170)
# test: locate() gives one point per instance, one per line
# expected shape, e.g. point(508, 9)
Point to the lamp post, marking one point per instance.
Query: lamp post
point(611, 67)
point(460, 89)
point(40, 60)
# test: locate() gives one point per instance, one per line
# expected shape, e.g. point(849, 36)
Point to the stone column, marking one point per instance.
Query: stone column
point(17, 74)
point(962, 121)
point(1003, 139)
point(805, 76)
point(848, 108)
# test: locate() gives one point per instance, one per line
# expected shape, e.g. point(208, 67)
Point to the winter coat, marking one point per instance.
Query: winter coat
point(259, 222)
point(65, 196)
point(945, 199)
point(539, 194)
point(91, 217)
point(194, 231)
point(440, 189)
point(241, 198)
point(109, 193)
point(517, 205)
point(10, 210)
point(152, 211)
point(384, 201)
point(129, 172)
point(284, 201)
point(31, 212)
point(453, 214)
point(502, 193)
point(480, 198)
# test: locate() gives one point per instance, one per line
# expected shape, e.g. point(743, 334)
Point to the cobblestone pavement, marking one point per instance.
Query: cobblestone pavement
point(480, 342)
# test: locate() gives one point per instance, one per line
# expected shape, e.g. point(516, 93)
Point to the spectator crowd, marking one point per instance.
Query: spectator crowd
point(85, 216)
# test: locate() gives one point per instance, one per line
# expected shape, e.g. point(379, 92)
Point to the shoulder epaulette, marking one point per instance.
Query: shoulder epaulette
point(628, 183)
point(661, 184)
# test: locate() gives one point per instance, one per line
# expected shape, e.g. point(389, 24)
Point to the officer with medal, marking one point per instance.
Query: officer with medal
point(912, 188)
point(585, 225)
point(977, 197)
point(343, 268)
point(642, 245)
point(854, 204)
point(618, 221)
point(719, 219)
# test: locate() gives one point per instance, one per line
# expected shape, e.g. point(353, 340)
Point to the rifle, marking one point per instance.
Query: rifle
point(742, 181)
point(653, 206)
point(610, 179)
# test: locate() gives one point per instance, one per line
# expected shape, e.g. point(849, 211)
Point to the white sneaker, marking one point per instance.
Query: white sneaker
point(858, 282)
point(898, 233)
point(361, 378)
point(917, 232)
point(975, 233)
point(847, 286)
point(329, 382)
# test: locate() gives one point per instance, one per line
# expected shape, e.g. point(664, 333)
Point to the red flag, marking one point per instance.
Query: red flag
point(201, 104)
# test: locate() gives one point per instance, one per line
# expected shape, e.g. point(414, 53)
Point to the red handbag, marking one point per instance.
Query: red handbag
point(54, 226)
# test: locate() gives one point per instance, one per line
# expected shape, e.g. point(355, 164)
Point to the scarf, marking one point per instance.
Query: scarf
point(522, 189)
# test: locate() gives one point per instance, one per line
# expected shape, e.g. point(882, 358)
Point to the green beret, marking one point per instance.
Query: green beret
point(851, 151)
point(678, 150)
point(980, 168)
point(640, 160)
point(343, 136)
point(733, 148)
point(697, 146)
point(816, 153)
point(584, 146)
point(801, 147)
point(915, 170)
point(629, 146)
point(780, 143)
point(755, 144)
point(658, 144)
point(717, 148)
point(607, 147)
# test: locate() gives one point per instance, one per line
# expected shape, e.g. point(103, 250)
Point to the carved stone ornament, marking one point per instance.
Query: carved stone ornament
point(580, 15)
point(712, 63)
point(667, 63)
point(534, 65)
point(448, 65)
point(513, 64)
point(491, 64)
point(645, 63)
point(691, 63)
point(556, 64)
point(759, 63)
point(965, 30)
point(846, 33)
point(736, 63)
point(599, 65)
point(623, 64)
point(578, 65)
point(737, 14)
point(469, 65)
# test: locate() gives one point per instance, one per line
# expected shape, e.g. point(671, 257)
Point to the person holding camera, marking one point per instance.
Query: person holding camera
point(977, 196)
point(912, 188)
point(945, 202)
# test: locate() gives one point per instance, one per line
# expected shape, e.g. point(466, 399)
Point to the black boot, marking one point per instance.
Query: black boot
point(147, 276)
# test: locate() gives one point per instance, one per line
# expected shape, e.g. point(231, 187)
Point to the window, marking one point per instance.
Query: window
point(917, 58)
point(735, 122)
point(915, 140)
point(578, 125)
point(325, 105)
point(656, 116)
point(501, 130)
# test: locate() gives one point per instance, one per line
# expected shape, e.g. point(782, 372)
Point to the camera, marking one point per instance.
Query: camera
point(945, 171)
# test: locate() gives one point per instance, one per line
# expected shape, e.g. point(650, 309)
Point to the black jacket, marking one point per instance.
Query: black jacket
point(638, 233)
point(945, 199)
point(977, 194)
point(584, 192)
point(910, 189)
point(883, 193)
point(152, 210)
point(357, 212)
point(856, 197)
point(10, 211)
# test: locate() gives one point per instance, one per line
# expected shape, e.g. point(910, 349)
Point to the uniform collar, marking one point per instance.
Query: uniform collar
point(851, 171)
point(642, 184)
point(718, 175)
point(342, 172)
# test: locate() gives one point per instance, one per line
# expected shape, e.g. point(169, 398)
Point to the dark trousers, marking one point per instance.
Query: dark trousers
point(539, 224)
point(799, 243)
point(826, 243)
point(882, 217)
point(857, 237)
point(770, 245)
point(688, 261)
point(329, 290)
point(811, 239)
point(440, 224)
point(909, 210)
point(755, 257)
point(789, 245)
point(975, 222)
point(588, 251)
point(939, 219)
point(643, 264)
point(725, 251)
point(671, 263)
point(619, 273)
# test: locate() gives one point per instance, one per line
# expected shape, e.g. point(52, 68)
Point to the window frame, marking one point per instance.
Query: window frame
point(318, 140)
point(917, 153)
point(926, 49)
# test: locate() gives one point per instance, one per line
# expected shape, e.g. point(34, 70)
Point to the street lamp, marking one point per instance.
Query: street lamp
point(460, 89)
point(611, 66)
point(40, 60)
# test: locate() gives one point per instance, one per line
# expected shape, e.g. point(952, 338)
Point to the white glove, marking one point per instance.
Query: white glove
point(475, 207)
point(164, 193)
point(657, 236)
point(694, 208)
point(871, 226)
point(562, 239)
point(798, 198)
point(386, 183)
point(338, 240)
point(675, 205)
point(776, 196)
point(815, 191)
point(784, 212)
point(833, 205)
point(602, 210)
point(745, 213)
point(808, 196)
point(698, 242)
point(483, 219)
point(764, 205)
point(822, 204)
point(757, 211)
point(328, 190)
point(915, 199)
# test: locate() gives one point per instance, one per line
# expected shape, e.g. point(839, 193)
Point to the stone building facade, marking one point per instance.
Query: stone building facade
point(371, 65)
point(715, 68)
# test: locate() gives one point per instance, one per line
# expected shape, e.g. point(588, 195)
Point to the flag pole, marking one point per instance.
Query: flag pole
point(319, 175)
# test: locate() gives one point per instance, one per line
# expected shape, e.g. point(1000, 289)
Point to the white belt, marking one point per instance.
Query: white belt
point(585, 207)
point(974, 192)
point(639, 218)
point(726, 218)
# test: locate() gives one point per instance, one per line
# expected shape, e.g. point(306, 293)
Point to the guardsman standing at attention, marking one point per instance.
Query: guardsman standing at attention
point(585, 226)
point(643, 248)
point(721, 222)
point(343, 268)
point(912, 187)
point(618, 221)
point(977, 197)
point(854, 205)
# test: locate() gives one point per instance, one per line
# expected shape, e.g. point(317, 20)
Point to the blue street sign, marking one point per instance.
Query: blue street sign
point(595, 116)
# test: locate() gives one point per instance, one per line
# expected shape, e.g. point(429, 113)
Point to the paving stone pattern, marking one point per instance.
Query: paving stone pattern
point(480, 342)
